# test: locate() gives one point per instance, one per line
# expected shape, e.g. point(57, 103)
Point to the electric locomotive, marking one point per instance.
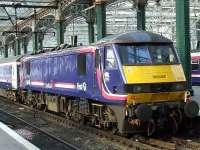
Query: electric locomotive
point(130, 82)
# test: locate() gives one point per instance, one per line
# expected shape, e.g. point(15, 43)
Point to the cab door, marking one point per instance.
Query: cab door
point(112, 78)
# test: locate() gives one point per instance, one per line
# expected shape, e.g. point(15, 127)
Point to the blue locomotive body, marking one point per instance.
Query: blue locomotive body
point(122, 83)
point(69, 73)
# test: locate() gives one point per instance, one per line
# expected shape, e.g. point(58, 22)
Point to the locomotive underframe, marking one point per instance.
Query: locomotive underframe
point(122, 119)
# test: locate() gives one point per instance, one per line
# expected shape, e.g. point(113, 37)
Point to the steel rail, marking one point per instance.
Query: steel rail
point(142, 144)
point(63, 121)
point(186, 143)
point(48, 134)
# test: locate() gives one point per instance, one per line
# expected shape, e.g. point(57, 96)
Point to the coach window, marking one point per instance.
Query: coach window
point(195, 64)
point(110, 62)
point(81, 64)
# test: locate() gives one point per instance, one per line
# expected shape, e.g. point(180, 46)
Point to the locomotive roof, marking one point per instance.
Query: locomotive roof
point(129, 37)
point(59, 52)
point(10, 59)
point(135, 37)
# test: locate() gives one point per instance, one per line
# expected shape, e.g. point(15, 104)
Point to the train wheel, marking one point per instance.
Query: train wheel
point(40, 106)
point(22, 97)
point(82, 120)
point(177, 115)
point(173, 124)
point(151, 127)
point(45, 109)
point(96, 122)
point(115, 130)
point(34, 104)
point(68, 115)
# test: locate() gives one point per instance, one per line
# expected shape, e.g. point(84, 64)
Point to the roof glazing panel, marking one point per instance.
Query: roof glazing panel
point(8, 14)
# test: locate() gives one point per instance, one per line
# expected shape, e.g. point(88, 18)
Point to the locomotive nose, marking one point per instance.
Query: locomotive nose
point(191, 109)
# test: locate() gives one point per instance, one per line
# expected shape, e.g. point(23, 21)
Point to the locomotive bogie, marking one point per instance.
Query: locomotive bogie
point(52, 102)
point(11, 94)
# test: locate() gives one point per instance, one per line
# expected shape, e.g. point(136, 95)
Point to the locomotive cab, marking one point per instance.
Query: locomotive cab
point(151, 69)
point(145, 67)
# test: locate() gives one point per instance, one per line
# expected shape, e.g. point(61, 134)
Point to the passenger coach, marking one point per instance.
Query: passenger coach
point(195, 62)
point(9, 76)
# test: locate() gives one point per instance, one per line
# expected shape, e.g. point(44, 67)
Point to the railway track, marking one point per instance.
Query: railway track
point(173, 143)
point(187, 144)
point(159, 143)
point(33, 133)
point(133, 143)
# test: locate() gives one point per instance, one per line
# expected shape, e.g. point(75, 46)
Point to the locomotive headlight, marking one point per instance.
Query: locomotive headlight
point(137, 89)
point(141, 88)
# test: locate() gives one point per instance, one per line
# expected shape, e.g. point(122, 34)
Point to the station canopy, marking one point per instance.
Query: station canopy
point(12, 10)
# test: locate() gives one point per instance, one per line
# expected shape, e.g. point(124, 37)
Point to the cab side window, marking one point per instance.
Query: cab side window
point(81, 64)
point(28, 67)
point(110, 61)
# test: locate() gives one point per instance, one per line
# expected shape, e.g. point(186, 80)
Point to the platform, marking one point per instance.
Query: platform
point(10, 140)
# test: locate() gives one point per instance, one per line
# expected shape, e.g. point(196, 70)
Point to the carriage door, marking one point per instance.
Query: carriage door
point(111, 74)
point(14, 75)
